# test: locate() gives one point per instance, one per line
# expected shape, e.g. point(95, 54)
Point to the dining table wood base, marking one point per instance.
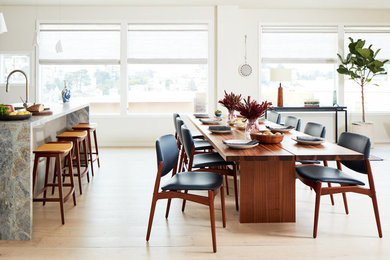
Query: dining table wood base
point(269, 187)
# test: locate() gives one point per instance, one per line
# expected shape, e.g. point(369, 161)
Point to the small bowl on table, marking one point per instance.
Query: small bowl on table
point(266, 137)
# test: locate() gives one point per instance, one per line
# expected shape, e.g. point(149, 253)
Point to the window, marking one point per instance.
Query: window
point(14, 61)
point(167, 68)
point(376, 97)
point(310, 53)
point(89, 64)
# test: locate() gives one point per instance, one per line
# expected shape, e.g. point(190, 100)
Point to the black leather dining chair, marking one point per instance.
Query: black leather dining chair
point(167, 154)
point(316, 130)
point(207, 161)
point(293, 121)
point(196, 134)
point(200, 145)
point(273, 117)
point(314, 176)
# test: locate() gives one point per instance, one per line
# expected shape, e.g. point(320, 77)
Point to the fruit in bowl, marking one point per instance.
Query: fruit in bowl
point(218, 113)
point(267, 137)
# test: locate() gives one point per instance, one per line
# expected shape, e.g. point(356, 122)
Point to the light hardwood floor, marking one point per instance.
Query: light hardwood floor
point(110, 220)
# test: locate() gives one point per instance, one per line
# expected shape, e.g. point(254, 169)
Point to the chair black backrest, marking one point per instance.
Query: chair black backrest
point(179, 123)
point(358, 143)
point(315, 129)
point(294, 122)
point(273, 117)
point(188, 141)
point(167, 152)
point(175, 115)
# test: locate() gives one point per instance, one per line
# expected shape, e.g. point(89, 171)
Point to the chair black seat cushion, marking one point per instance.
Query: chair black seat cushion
point(202, 145)
point(194, 181)
point(197, 135)
point(326, 174)
point(309, 162)
point(209, 159)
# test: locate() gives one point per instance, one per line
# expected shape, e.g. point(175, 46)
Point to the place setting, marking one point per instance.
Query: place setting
point(241, 143)
point(220, 129)
point(308, 140)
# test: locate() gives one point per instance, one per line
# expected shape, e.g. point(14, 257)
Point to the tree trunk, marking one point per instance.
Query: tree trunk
point(363, 112)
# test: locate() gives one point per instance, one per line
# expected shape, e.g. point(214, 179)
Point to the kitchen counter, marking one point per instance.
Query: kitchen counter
point(17, 141)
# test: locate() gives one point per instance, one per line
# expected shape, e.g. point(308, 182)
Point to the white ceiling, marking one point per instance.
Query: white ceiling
point(265, 4)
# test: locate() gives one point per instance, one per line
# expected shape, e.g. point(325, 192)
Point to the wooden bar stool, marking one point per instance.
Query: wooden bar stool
point(58, 151)
point(90, 127)
point(77, 138)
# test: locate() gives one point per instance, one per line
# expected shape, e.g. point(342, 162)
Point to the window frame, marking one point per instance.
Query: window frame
point(31, 76)
point(123, 59)
point(302, 28)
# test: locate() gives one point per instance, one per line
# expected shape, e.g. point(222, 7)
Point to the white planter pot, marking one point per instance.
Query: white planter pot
point(366, 129)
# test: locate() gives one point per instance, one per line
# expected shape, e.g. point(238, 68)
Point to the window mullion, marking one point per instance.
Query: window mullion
point(123, 70)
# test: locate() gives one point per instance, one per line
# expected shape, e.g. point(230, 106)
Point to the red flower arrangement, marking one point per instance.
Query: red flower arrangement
point(253, 110)
point(231, 101)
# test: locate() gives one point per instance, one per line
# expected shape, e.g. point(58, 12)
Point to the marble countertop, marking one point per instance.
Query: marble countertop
point(58, 111)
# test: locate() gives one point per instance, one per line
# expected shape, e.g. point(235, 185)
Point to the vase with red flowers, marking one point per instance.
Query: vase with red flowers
point(252, 110)
point(231, 102)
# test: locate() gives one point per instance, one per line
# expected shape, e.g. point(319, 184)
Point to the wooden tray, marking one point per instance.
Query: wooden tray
point(43, 113)
point(15, 117)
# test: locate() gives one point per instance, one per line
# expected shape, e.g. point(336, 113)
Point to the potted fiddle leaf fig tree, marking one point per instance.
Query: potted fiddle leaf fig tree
point(361, 66)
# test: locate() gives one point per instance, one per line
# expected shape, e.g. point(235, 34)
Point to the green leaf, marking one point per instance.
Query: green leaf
point(376, 53)
point(364, 52)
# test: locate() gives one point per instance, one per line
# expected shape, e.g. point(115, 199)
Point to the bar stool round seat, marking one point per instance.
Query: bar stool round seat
point(90, 128)
point(77, 138)
point(59, 150)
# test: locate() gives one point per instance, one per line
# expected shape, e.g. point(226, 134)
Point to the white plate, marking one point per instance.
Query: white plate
point(221, 131)
point(280, 130)
point(307, 142)
point(238, 144)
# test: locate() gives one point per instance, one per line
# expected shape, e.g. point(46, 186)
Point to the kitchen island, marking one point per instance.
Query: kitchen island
point(17, 141)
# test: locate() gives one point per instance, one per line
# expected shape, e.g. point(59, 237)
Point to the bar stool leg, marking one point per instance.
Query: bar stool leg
point(85, 157)
point(60, 195)
point(96, 148)
point(35, 172)
point(46, 179)
point(70, 161)
point(90, 150)
point(76, 145)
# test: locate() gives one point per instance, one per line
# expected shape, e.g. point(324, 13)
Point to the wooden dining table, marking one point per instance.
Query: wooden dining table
point(267, 171)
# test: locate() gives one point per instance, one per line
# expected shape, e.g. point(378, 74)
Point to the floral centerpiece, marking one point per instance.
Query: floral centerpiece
point(252, 110)
point(231, 102)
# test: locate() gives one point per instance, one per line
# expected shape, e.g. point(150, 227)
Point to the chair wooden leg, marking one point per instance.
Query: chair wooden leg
point(331, 195)
point(168, 207)
point(376, 212)
point(227, 184)
point(236, 190)
point(151, 215)
point(46, 179)
point(181, 160)
point(223, 207)
point(35, 172)
point(212, 219)
point(317, 208)
point(345, 203)
point(183, 206)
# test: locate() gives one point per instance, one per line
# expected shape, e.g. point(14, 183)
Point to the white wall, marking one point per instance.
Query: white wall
point(232, 23)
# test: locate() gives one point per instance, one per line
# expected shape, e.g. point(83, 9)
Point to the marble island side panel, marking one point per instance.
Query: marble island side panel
point(17, 141)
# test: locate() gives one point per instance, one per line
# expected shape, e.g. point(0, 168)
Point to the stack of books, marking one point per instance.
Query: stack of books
point(312, 103)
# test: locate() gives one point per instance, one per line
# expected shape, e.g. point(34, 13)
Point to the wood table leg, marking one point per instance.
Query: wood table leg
point(267, 190)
